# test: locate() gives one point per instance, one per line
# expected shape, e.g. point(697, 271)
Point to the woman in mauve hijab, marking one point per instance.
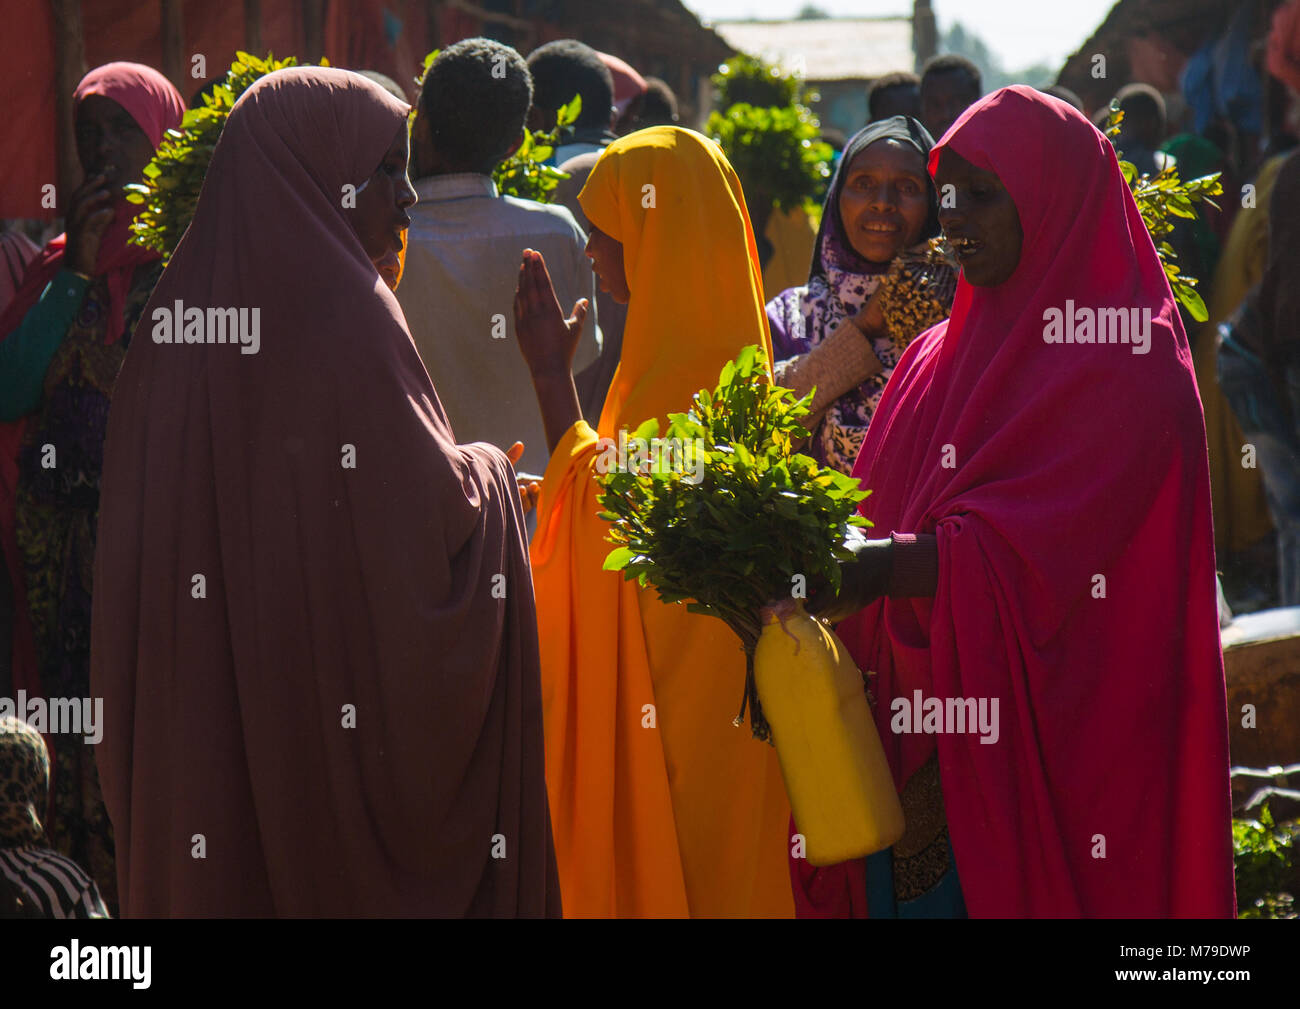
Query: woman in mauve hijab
point(1050, 575)
point(314, 626)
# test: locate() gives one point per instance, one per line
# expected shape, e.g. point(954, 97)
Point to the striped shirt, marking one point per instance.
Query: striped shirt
point(55, 886)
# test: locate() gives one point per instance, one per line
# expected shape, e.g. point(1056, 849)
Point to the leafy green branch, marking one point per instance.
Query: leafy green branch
point(1160, 197)
point(174, 178)
point(731, 535)
point(770, 136)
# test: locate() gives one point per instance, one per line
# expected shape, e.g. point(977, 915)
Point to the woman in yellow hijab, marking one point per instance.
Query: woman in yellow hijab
point(659, 805)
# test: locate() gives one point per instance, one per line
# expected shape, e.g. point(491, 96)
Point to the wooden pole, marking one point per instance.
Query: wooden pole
point(176, 64)
point(69, 68)
point(433, 26)
point(313, 30)
point(253, 27)
point(925, 33)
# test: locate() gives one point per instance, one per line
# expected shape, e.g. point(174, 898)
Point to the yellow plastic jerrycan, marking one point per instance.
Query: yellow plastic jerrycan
point(840, 787)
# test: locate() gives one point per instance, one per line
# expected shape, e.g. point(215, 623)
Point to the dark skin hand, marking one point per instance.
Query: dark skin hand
point(529, 488)
point(863, 580)
point(113, 151)
point(548, 342)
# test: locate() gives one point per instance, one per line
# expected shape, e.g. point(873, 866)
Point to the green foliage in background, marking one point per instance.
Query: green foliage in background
point(762, 513)
point(523, 174)
point(1265, 858)
point(173, 179)
point(744, 79)
point(1160, 197)
point(770, 136)
point(775, 151)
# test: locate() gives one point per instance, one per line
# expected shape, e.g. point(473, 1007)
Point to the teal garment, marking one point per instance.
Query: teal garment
point(1195, 240)
point(26, 353)
point(944, 900)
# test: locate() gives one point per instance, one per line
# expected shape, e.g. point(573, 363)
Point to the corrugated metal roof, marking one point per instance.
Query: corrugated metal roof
point(827, 49)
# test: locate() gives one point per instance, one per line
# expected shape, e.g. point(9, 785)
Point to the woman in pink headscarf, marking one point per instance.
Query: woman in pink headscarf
point(1039, 633)
point(314, 624)
point(62, 341)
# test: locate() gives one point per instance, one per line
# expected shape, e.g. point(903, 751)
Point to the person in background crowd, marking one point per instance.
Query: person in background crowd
point(16, 251)
point(348, 712)
point(65, 336)
point(1259, 352)
point(1003, 512)
point(464, 245)
point(689, 816)
point(658, 105)
point(837, 140)
point(560, 70)
point(831, 332)
point(1064, 94)
point(1143, 127)
point(896, 94)
point(47, 884)
point(629, 90)
point(949, 83)
point(385, 82)
point(592, 382)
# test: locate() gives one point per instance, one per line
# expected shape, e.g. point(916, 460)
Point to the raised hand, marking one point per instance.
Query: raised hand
point(869, 318)
point(547, 339)
point(90, 212)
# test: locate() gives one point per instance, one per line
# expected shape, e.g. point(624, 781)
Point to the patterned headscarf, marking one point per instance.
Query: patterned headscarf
point(24, 784)
point(839, 283)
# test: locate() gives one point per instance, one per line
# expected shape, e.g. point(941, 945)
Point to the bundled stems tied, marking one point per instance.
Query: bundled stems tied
point(757, 723)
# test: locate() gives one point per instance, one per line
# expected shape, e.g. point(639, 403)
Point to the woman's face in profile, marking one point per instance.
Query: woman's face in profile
point(885, 199)
point(380, 216)
point(606, 255)
point(979, 219)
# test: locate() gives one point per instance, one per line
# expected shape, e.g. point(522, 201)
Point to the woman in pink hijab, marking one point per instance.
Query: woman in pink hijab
point(1039, 633)
point(314, 626)
point(62, 342)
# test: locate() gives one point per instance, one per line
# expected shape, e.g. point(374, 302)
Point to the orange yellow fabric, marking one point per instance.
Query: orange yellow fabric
point(401, 259)
point(1237, 493)
point(793, 235)
point(659, 805)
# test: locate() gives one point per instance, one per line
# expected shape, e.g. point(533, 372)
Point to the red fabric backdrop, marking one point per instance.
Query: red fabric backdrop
point(385, 35)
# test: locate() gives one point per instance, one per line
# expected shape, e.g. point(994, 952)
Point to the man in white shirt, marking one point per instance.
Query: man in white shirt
point(466, 243)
